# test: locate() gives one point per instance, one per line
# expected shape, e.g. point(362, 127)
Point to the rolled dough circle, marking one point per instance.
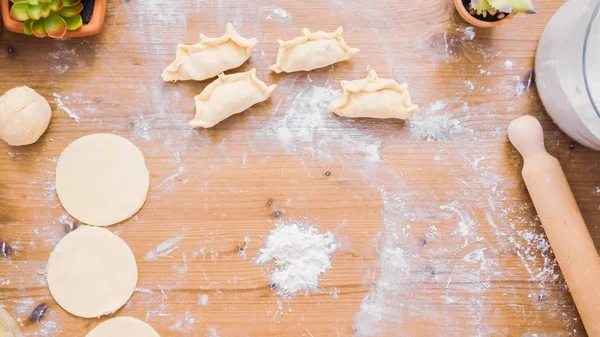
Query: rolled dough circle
point(102, 179)
point(91, 272)
point(123, 327)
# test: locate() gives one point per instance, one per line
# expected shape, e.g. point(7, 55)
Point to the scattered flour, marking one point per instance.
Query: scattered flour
point(203, 299)
point(468, 33)
point(47, 329)
point(308, 126)
point(466, 225)
point(164, 249)
point(184, 324)
point(484, 71)
point(434, 125)
point(212, 332)
point(508, 64)
point(381, 303)
point(301, 255)
point(64, 57)
point(489, 231)
point(277, 14)
point(62, 106)
point(24, 306)
point(144, 290)
point(523, 83)
point(242, 250)
point(169, 182)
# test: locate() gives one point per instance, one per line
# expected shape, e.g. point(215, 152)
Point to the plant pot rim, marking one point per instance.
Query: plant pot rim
point(92, 28)
point(464, 13)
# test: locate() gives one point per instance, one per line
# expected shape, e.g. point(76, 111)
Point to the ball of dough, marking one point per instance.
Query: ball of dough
point(91, 272)
point(102, 179)
point(123, 327)
point(24, 116)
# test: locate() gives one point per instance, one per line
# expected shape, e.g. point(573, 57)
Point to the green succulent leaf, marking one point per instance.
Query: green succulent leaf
point(74, 22)
point(502, 5)
point(55, 5)
point(71, 2)
point(56, 26)
point(507, 6)
point(34, 12)
point(480, 5)
point(27, 27)
point(38, 29)
point(18, 11)
point(29, 2)
point(69, 11)
point(45, 10)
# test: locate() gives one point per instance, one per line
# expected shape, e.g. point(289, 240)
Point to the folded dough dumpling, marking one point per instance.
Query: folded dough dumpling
point(209, 57)
point(311, 51)
point(374, 97)
point(227, 96)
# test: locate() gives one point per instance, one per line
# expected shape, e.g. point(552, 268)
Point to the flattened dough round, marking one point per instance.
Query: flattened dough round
point(123, 327)
point(102, 179)
point(91, 272)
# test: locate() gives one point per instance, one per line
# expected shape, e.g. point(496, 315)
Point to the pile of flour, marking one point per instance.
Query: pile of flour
point(301, 255)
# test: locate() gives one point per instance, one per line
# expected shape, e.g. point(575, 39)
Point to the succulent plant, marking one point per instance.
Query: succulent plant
point(501, 8)
point(47, 17)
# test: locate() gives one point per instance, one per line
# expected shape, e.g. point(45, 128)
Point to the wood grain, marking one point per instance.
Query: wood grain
point(236, 175)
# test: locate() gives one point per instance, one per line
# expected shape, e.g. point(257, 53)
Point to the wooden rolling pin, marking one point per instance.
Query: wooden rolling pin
point(561, 220)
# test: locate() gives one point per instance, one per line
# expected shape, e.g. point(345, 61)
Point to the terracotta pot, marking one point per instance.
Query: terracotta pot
point(92, 28)
point(473, 21)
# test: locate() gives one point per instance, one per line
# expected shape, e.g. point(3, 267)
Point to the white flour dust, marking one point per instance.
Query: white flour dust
point(47, 329)
point(383, 301)
point(309, 126)
point(169, 182)
point(301, 254)
point(277, 14)
point(23, 307)
point(242, 252)
point(64, 57)
point(161, 17)
point(466, 226)
point(468, 33)
point(435, 124)
point(62, 106)
point(479, 238)
point(184, 324)
point(523, 84)
point(47, 183)
point(203, 299)
point(212, 332)
point(164, 249)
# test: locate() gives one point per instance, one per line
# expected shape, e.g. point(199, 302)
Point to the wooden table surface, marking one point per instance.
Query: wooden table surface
point(437, 234)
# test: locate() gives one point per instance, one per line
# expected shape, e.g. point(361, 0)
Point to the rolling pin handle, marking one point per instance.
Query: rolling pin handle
point(526, 134)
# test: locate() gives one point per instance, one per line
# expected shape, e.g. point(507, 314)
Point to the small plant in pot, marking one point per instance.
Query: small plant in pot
point(54, 18)
point(490, 13)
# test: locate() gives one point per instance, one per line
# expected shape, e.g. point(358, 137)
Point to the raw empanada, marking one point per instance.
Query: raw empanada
point(227, 96)
point(209, 57)
point(374, 97)
point(311, 51)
